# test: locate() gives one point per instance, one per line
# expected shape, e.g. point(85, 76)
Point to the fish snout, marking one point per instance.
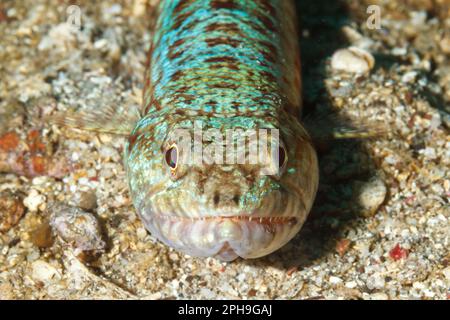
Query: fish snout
point(225, 197)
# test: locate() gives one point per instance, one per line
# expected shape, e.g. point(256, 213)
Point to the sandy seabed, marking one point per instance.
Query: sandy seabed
point(380, 227)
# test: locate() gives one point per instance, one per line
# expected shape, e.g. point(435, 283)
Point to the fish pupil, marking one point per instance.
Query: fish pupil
point(172, 157)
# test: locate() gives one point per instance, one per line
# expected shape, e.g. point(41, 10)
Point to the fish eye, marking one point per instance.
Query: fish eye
point(282, 157)
point(171, 157)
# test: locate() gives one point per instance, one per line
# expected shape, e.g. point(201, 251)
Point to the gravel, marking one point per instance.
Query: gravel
point(380, 226)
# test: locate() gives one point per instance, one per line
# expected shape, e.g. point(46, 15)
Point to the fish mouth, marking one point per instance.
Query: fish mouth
point(240, 218)
point(224, 237)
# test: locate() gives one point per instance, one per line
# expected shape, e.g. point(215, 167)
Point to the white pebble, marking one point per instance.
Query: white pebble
point(39, 180)
point(372, 194)
point(399, 51)
point(60, 37)
point(352, 59)
point(436, 121)
point(418, 285)
point(44, 272)
point(100, 44)
point(391, 159)
point(109, 153)
point(429, 153)
point(379, 296)
point(409, 77)
point(446, 273)
point(375, 281)
point(335, 280)
point(33, 200)
point(418, 18)
point(75, 156)
point(114, 9)
point(141, 233)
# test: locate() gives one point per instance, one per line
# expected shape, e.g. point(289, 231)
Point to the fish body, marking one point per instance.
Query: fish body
point(220, 66)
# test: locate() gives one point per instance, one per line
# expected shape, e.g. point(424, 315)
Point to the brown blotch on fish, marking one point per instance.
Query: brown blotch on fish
point(269, 76)
point(221, 26)
point(182, 5)
point(255, 26)
point(180, 18)
point(180, 112)
point(187, 98)
point(189, 26)
point(132, 140)
point(177, 43)
point(154, 103)
point(221, 59)
point(177, 75)
point(174, 55)
point(232, 66)
point(223, 41)
point(236, 104)
point(266, 6)
point(271, 53)
point(223, 4)
point(224, 85)
point(267, 21)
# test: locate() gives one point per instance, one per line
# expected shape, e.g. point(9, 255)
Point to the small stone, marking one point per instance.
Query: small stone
point(371, 195)
point(60, 37)
point(139, 8)
point(399, 51)
point(251, 293)
point(292, 270)
point(335, 280)
point(375, 281)
point(356, 38)
point(352, 59)
point(379, 296)
point(9, 141)
point(33, 200)
point(42, 236)
point(419, 285)
point(409, 77)
point(109, 153)
point(429, 153)
point(6, 291)
point(11, 210)
point(446, 273)
point(44, 272)
point(398, 253)
point(342, 246)
point(141, 233)
point(86, 200)
point(78, 228)
point(445, 44)
point(207, 293)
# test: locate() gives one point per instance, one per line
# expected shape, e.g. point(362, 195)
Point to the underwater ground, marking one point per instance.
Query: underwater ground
point(379, 230)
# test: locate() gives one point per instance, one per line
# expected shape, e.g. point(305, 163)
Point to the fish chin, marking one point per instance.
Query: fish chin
point(225, 238)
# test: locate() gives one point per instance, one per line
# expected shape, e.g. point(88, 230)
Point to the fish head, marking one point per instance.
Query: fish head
point(223, 189)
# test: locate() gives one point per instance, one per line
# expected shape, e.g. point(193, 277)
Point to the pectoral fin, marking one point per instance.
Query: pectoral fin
point(106, 120)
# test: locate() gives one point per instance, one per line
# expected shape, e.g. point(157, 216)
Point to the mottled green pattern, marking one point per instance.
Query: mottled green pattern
point(228, 64)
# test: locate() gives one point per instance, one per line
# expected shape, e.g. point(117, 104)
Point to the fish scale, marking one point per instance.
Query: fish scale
point(223, 57)
point(230, 64)
point(216, 66)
